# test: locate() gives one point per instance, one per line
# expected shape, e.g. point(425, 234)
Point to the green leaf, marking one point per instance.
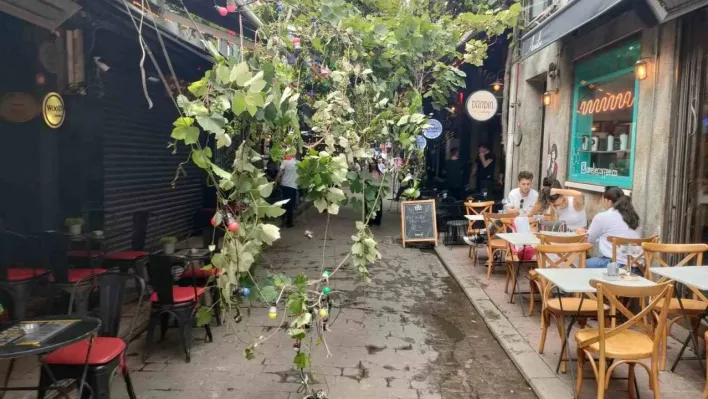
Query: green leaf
point(286, 93)
point(190, 134)
point(218, 261)
point(249, 353)
point(302, 320)
point(296, 333)
point(269, 294)
point(333, 209)
point(357, 248)
point(223, 140)
point(239, 73)
point(238, 103)
point(269, 233)
point(222, 74)
point(257, 78)
point(265, 190)
point(301, 361)
point(296, 304)
point(200, 158)
point(320, 204)
point(317, 44)
point(220, 172)
point(213, 123)
point(204, 316)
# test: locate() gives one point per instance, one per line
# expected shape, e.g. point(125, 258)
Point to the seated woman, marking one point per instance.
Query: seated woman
point(569, 205)
point(619, 220)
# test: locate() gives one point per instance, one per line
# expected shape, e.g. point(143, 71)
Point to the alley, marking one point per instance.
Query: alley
point(411, 333)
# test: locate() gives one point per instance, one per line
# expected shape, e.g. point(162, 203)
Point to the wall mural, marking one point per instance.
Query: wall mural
point(552, 171)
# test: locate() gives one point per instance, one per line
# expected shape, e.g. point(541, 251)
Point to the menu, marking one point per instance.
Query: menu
point(47, 329)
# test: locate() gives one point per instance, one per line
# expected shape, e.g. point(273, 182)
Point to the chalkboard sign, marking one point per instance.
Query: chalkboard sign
point(418, 222)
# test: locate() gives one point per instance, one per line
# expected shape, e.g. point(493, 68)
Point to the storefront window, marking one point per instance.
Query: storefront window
point(604, 118)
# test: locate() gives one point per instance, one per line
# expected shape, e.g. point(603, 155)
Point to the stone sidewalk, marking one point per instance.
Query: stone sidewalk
point(411, 333)
point(520, 336)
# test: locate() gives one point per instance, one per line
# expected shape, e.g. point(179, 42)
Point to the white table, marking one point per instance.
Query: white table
point(520, 240)
point(577, 281)
point(474, 218)
point(691, 276)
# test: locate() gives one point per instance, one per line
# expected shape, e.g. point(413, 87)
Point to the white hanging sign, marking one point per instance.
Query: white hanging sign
point(482, 105)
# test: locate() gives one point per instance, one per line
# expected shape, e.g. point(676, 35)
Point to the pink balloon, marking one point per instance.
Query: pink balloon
point(222, 11)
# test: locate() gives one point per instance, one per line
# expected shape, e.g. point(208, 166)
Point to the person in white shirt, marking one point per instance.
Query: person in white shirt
point(287, 178)
point(619, 220)
point(523, 197)
point(569, 205)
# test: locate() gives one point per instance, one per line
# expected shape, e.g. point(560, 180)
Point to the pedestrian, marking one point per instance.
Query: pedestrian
point(618, 220)
point(287, 179)
point(483, 169)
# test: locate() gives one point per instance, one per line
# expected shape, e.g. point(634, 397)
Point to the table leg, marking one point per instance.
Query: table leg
point(7, 376)
point(692, 337)
point(86, 366)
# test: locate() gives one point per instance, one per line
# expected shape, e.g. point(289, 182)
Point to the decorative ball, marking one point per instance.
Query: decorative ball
point(245, 291)
point(326, 290)
point(213, 221)
point(273, 313)
point(323, 312)
point(222, 11)
point(325, 274)
point(230, 8)
point(233, 225)
point(279, 7)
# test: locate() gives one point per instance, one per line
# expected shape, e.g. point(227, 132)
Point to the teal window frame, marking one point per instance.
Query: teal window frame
point(576, 156)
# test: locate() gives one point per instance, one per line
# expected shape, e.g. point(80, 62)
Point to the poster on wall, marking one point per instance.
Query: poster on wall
point(482, 105)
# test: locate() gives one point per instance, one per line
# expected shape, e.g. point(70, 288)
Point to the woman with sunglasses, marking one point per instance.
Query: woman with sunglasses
point(618, 220)
point(569, 205)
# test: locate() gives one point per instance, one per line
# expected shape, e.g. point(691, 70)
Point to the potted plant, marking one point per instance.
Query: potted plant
point(74, 225)
point(168, 244)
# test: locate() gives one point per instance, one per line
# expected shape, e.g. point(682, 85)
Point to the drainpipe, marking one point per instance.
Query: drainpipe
point(653, 106)
point(511, 134)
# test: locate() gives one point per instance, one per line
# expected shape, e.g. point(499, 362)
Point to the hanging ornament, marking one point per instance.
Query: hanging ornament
point(231, 7)
point(296, 346)
point(323, 313)
point(272, 313)
point(325, 274)
point(231, 223)
point(222, 11)
point(244, 291)
point(291, 59)
point(279, 7)
point(325, 85)
point(326, 290)
point(325, 71)
point(296, 43)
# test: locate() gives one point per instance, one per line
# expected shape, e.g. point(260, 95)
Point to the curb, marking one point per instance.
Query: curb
point(545, 383)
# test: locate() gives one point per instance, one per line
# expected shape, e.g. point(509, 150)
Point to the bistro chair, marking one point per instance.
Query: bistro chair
point(563, 256)
point(705, 389)
point(20, 269)
point(693, 307)
point(106, 353)
point(137, 257)
point(629, 343)
point(535, 284)
point(494, 224)
point(477, 209)
point(636, 262)
point(171, 301)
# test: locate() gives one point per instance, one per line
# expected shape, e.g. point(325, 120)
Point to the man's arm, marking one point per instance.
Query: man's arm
point(485, 161)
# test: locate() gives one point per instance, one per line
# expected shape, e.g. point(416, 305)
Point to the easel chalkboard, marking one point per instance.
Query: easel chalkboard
point(419, 222)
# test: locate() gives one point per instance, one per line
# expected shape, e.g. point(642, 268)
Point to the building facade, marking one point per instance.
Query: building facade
point(613, 93)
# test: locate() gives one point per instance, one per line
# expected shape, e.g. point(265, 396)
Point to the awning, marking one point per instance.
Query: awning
point(569, 18)
point(666, 10)
point(44, 13)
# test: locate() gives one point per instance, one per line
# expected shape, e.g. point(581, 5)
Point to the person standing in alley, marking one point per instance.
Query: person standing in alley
point(483, 169)
point(287, 179)
point(453, 174)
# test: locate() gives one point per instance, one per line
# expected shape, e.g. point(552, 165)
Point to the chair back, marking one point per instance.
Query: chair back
point(551, 225)
point(140, 227)
point(54, 247)
point(660, 253)
point(660, 296)
point(503, 222)
point(562, 255)
point(161, 279)
point(111, 290)
point(640, 261)
point(478, 208)
point(17, 250)
point(550, 239)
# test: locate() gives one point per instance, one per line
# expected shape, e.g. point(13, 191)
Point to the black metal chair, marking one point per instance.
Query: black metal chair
point(171, 301)
point(105, 353)
point(137, 257)
point(20, 269)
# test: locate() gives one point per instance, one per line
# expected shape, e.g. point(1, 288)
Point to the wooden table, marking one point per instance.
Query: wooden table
point(693, 277)
point(577, 281)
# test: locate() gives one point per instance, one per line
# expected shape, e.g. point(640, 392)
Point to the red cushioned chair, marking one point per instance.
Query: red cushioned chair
point(106, 353)
point(20, 270)
point(137, 257)
point(171, 301)
point(195, 276)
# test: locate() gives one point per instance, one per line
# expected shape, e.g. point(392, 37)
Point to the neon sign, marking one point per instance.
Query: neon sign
point(608, 103)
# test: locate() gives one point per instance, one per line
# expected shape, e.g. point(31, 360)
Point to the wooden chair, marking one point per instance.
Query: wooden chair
point(534, 278)
point(494, 224)
point(693, 307)
point(563, 256)
point(512, 256)
point(639, 262)
point(705, 389)
point(477, 208)
point(629, 343)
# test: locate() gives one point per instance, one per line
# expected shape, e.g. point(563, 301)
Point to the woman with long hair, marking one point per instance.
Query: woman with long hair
point(569, 205)
point(618, 220)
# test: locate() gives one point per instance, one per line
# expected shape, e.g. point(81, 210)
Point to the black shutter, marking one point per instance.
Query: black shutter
point(138, 166)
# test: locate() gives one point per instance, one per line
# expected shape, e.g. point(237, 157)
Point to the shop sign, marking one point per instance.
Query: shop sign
point(18, 107)
point(482, 105)
point(422, 142)
point(585, 170)
point(433, 130)
point(53, 110)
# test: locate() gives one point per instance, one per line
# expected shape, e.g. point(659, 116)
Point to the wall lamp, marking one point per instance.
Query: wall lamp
point(640, 69)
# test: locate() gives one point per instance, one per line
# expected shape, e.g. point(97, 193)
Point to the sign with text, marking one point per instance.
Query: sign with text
point(433, 130)
point(53, 110)
point(418, 222)
point(482, 105)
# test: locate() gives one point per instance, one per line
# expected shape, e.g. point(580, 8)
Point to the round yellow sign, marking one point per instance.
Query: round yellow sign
point(53, 110)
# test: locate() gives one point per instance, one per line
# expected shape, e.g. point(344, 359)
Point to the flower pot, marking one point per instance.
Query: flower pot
point(168, 248)
point(75, 229)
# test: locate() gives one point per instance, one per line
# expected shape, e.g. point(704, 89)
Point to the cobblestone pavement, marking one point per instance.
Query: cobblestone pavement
point(411, 333)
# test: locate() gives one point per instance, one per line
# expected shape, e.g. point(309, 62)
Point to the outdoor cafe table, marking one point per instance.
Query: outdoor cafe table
point(577, 281)
point(693, 277)
point(521, 240)
point(54, 332)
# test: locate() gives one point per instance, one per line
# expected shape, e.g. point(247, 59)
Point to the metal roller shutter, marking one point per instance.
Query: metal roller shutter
point(138, 166)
